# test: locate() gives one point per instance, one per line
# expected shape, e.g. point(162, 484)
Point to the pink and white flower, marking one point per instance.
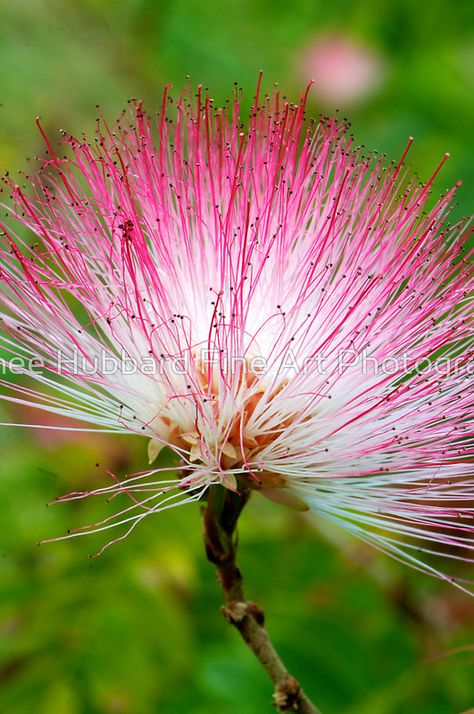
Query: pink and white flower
point(274, 305)
point(344, 70)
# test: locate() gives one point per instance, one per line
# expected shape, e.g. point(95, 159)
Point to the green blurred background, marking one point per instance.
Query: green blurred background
point(138, 631)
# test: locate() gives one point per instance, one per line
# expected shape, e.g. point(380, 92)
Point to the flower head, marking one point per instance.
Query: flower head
point(345, 71)
point(282, 310)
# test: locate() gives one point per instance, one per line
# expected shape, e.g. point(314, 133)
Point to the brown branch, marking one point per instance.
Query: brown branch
point(220, 518)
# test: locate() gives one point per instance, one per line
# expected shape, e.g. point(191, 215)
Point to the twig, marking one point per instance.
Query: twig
point(220, 518)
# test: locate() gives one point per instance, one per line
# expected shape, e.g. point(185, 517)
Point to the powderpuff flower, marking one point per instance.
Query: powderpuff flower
point(345, 71)
point(283, 311)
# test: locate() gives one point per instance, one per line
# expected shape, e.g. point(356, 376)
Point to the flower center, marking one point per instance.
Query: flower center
point(234, 432)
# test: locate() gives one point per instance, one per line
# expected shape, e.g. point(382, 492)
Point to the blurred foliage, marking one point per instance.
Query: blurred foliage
point(138, 630)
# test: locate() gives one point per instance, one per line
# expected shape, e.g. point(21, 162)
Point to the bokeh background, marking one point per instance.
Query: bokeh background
point(138, 631)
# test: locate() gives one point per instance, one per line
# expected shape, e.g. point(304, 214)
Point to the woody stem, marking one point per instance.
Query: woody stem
point(220, 517)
